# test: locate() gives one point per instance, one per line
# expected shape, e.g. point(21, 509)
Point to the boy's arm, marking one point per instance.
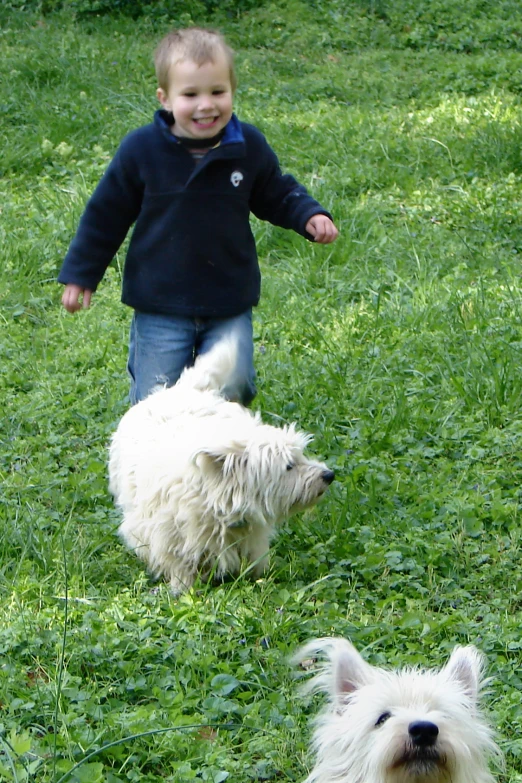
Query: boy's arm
point(283, 201)
point(110, 212)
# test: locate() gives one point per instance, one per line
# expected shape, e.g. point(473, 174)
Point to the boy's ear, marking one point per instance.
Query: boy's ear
point(163, 98)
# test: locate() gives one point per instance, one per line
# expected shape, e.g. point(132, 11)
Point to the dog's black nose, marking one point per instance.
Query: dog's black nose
point(423, 733)
point(328, 476)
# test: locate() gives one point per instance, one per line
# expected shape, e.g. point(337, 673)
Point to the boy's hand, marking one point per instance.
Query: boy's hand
point(322, 229)
point(72, 295)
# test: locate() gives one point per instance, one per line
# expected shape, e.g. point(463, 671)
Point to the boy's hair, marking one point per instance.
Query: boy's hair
point(199, 44)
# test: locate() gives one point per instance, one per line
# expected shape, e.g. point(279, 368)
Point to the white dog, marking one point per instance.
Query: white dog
point(409, 726)
point(201, 481)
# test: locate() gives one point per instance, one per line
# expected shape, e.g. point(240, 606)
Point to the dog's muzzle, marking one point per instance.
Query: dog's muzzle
point(421, 756)
point(328, 476)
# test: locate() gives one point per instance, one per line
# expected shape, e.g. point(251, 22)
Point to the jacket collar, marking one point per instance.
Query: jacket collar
point(233, 132)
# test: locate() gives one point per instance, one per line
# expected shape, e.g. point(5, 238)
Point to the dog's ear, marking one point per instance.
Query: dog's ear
point(222, 455)
point(465, 667)
point(350, 669)
point(345, 671)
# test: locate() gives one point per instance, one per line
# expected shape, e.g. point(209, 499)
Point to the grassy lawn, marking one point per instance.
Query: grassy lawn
point(399, 348)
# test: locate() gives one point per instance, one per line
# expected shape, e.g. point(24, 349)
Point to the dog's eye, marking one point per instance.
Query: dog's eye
point(290, 466)
point(382, 718)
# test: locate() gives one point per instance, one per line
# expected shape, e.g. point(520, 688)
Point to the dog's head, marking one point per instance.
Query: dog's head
point(409, 726)
point(261, 473)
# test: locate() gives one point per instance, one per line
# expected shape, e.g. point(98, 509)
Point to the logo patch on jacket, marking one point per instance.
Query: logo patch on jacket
point(236, 178)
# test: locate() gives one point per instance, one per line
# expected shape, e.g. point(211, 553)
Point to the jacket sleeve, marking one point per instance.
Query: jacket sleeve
point(280, 198)
point(110, 212)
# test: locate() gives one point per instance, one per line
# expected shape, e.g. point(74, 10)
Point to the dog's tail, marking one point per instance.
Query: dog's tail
point(215, 369)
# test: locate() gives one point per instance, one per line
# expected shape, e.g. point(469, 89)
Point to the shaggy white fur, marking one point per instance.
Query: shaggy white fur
point(408, 726)
point(201, 481)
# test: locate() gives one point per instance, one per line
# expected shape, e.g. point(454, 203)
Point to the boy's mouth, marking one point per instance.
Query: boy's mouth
point(205, 122)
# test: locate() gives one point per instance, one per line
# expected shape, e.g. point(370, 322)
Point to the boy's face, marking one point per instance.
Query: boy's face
point(199, 97)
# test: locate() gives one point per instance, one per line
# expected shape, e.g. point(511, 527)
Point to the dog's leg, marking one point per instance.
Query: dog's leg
point(261, 566)
point(256, 548)
point(135, 537)
point(181, 577)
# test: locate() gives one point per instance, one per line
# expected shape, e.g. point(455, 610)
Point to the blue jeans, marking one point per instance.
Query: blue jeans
point(161, 346)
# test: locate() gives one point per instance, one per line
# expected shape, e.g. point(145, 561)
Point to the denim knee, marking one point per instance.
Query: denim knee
point(242, 391)
point(160, 347)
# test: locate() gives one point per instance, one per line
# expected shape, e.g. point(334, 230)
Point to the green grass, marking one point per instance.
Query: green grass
point(399, 348)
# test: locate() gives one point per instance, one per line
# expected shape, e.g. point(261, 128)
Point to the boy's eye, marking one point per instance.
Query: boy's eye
point(218, 92)
point(189, 94)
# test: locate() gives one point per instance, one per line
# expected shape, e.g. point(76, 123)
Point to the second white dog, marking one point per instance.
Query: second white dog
point(203, 482)
point(406, 726)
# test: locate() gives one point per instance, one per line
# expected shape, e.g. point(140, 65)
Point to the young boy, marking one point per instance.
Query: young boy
point(188, 182)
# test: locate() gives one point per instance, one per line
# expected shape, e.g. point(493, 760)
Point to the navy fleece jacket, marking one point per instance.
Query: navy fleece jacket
point(192, 251)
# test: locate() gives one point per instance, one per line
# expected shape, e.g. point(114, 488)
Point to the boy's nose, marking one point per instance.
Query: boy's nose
point(205, 102)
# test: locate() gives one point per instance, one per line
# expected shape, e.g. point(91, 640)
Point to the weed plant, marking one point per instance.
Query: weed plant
point(399, 347)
